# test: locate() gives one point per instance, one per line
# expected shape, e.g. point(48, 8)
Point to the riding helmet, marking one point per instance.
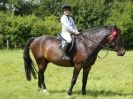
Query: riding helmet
point(68, 7)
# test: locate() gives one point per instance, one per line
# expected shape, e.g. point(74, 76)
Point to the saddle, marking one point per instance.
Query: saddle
point(63, 41)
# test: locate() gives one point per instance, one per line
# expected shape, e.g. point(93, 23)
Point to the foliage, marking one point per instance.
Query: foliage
point(128, 34)
point(90, 13)
point(18, 29)
point(23, 8)
point(122, 15)
point(3, 5)
point(22, 19)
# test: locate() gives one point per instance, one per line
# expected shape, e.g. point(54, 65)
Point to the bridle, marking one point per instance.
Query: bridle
point(112, 36)
point(107, 46)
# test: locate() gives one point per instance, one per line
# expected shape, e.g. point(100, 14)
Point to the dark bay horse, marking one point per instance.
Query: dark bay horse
point(45, 49)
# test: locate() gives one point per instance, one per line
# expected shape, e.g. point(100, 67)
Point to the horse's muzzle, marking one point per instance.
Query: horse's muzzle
point(121, 52)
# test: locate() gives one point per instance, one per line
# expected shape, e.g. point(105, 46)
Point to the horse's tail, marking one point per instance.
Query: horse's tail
point(28, 64)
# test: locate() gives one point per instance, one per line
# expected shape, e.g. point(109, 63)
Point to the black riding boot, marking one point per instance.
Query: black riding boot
point(64, 50)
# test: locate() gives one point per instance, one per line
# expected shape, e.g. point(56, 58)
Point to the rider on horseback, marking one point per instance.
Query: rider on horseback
point(68, 28)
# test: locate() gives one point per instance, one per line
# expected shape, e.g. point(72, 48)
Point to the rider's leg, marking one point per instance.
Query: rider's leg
point(64, 50)
point(68, 39)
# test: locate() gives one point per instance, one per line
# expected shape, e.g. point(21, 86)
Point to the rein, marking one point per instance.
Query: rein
point(103, 46)
point(106, 47)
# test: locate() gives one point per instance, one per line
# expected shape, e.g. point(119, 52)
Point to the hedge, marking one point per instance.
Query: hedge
point(18, 29)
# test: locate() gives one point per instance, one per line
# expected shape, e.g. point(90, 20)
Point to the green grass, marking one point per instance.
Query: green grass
point(110, 78)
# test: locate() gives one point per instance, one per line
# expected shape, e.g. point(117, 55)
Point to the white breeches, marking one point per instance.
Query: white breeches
point(66, 36)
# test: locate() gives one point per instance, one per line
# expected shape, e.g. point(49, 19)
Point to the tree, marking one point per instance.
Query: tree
point(23, 8)
point(3, 5)
point(90, 13)
point(32, 17)
point(48, 7)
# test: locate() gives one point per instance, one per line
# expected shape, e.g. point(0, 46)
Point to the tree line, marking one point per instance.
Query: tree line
point(23, 19)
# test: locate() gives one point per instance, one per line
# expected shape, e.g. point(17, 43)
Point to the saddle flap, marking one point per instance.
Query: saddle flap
point(63, 41)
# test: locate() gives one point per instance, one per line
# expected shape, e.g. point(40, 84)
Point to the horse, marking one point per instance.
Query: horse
point(45, 49)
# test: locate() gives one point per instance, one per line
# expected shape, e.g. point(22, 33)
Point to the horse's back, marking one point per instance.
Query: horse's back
point(42, 43)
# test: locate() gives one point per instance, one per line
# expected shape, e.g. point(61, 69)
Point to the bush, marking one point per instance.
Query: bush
point(121, 15)
point(18, 29)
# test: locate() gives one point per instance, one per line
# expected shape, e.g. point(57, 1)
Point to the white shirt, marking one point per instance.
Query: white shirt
point(68, 27)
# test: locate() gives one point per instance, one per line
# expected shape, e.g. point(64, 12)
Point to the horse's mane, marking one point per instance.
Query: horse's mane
point(97, 29)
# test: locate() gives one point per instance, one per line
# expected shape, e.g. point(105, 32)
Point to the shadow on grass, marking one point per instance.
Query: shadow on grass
point(95, 93)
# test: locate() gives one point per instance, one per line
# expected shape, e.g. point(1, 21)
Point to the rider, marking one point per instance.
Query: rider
point(68, 28)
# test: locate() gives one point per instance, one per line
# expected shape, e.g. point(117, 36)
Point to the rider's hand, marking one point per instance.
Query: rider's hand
point(77, 33)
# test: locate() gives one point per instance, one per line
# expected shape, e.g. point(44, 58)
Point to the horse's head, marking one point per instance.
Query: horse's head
point(116, 41)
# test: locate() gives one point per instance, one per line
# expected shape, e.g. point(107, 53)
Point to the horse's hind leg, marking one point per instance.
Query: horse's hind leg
point(41, 81)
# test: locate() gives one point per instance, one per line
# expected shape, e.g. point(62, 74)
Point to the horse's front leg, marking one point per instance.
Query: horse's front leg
point(76, 71)
point(84, 80)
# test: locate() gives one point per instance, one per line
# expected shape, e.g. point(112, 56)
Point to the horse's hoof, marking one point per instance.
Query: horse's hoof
point(84, 93)
point(45, 92)
point(69, 93)
point(68, 96)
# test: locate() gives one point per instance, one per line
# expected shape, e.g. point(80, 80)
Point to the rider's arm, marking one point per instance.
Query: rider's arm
point(68, 27)
point(74, 26)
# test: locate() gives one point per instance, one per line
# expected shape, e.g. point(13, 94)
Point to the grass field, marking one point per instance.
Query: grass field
point(110, 78)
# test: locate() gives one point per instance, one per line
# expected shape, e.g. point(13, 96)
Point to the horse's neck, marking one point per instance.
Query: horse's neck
point(96, 40)
point(98, 37)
